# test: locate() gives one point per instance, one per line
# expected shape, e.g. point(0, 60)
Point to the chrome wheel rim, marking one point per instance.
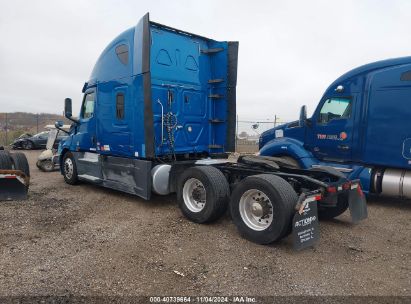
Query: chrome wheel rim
point(68, 168)
point(194, 195)
point(256, 210)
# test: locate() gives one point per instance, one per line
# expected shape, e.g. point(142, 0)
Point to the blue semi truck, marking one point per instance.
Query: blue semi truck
point(361, 127)
point(158, 115)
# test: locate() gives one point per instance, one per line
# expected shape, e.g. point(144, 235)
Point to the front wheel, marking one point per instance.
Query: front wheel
point(45, 165)
point(262, 207)
point(70, 169)
point(202, 194)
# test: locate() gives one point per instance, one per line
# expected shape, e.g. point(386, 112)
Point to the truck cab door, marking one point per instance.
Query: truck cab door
point(85, 139)
point(332, 129)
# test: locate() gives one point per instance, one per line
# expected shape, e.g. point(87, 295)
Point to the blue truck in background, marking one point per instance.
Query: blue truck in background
point(158, 115)
point(361, 127)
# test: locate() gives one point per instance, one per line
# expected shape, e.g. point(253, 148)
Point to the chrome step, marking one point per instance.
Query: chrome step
point(89, 157)
point(89, 177)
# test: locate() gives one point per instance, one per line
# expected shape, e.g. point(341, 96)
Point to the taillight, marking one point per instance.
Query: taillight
point(318, 197)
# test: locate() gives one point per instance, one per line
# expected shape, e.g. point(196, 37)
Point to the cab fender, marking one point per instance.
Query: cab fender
point(289, 147)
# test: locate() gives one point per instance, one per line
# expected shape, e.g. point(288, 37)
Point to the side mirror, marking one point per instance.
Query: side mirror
point(303, 116)
point(68, 111)
point(59, 124)
point(67, 108)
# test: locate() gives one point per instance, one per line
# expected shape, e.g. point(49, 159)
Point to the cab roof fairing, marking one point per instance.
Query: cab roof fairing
point(365, 69)
point(138, 53)
point(108, 66)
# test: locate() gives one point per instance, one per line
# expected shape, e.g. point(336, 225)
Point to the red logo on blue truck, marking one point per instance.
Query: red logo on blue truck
point(341, 136)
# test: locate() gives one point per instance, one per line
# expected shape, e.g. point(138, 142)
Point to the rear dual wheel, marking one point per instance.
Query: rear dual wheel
point(203, 194)
point(262, 208)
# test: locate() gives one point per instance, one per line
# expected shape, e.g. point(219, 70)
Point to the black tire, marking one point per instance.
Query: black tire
point(217, 193)
point(46, 165)
point(5, 160)
point(283, 199)
point(20, 162)
point(28, 145)
point(70, 179)
point(328, 213)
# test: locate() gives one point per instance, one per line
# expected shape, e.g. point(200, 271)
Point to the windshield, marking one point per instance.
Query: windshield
point(51, 138)
point(335, 108)
point(42, 134)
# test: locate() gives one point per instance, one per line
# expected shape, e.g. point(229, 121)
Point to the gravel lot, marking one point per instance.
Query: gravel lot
point(86, 240)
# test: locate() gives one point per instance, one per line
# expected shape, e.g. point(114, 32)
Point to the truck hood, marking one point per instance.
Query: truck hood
point(270, 134)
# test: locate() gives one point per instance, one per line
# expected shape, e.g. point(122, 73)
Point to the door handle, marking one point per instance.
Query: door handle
point(343, 147)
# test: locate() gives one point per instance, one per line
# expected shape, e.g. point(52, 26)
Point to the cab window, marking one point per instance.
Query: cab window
point(87, 110)
point(122, 53)
point(120, 106)
point(335, 108)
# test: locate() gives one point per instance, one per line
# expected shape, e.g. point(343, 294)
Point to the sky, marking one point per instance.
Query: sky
point(290, 51)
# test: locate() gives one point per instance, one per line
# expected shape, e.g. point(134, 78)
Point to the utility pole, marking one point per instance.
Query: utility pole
point(37, 118)
point(275, 120)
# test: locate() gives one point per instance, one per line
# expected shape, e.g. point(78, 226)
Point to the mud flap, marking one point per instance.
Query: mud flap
point(357, 203)
point(11, 188)
point(306, 230)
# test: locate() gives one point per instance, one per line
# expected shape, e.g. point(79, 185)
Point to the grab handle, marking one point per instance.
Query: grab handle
point(162, 121)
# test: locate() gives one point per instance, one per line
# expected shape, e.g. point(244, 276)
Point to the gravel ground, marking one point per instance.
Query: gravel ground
point(86, 240)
